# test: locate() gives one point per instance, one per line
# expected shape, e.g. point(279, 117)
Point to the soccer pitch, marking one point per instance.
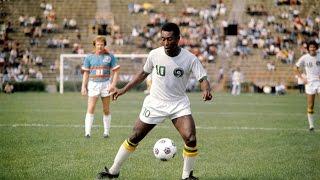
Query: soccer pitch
point(252, 136)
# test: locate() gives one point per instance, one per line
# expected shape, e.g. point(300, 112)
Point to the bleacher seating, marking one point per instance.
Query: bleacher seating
point(84, 11)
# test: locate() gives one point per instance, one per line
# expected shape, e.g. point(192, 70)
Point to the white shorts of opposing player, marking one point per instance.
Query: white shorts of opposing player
point(98, 89)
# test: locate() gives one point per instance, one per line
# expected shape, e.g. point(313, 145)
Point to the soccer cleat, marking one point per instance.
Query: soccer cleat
point(105, 135)
point(311, 129)
point(105, 174)
point(87, 136)
point(191, 177)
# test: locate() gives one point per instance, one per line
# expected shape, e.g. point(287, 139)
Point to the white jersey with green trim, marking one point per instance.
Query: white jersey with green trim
point(170, 75)
point(311, 65)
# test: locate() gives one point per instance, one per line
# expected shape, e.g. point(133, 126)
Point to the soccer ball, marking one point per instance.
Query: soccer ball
point(164, 149)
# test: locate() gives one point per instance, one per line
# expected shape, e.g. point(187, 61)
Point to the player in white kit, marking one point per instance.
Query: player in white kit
point(311, 64)
point(171, 67)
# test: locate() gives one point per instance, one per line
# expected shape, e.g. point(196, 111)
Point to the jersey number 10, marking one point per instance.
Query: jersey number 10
point(161, 70)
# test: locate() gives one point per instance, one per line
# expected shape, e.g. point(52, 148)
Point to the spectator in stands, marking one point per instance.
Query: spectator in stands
point(8, 88)
point(39, 61)
point(2, 63)
point(49, 6)
point(75, 48)
point(271, 66)
point(221, 74)
point(1, 79)
point(21, 77)
point(27, 31)
point(227, 48)
point(39, 75)
point(5, 77)
point(77, 31)
point(43, 5)
point(52, 67)
point(22, 20)
point(80, 50)
point(167, 2)
point(65, 23)
point(237, 79)
point(72, 23)
point(244, 49)
point(49, 27)
point(137, 8)
point(65, 42)
point(131, 7)
point(280, 89)
point(32, 72)
point(34, 41)
point(118, 39)
point(37, 32)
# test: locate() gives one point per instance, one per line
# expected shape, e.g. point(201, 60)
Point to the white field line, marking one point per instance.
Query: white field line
point(138, 111)
point(160, 126)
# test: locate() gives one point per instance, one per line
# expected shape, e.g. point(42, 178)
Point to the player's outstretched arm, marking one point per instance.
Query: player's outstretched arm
point(206, 90)
point(141, 76)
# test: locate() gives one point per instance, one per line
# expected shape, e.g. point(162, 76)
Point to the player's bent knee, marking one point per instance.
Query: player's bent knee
point(135, 138)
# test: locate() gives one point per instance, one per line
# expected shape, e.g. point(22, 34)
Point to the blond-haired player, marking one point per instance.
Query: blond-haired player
point(100, 76)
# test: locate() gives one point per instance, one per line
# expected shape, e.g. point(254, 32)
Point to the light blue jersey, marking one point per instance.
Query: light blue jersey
point(100, 66)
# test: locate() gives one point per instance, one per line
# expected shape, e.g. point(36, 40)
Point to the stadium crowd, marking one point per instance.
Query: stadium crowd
point(278, 34)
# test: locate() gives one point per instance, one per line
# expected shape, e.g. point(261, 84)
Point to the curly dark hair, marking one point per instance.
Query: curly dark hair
point(171, 27)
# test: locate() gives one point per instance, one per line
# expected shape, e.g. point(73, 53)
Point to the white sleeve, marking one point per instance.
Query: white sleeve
point(148, 66)
point(300, 62)
point(197, 69)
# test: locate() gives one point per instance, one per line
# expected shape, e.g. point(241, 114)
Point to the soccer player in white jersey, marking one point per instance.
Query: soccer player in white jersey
point(311, 64)
point(97, 81)
point(171, 67)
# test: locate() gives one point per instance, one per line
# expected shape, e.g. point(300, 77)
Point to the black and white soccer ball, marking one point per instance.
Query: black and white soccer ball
point(164, 149)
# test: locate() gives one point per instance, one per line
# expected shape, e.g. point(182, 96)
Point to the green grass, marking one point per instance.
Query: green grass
point(252, 136)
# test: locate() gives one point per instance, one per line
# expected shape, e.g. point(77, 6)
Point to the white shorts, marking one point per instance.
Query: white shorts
point(313, 88)
point(155, 111)
point(98, 88)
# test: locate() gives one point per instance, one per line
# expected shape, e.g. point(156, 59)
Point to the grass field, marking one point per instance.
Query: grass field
point(252, 136)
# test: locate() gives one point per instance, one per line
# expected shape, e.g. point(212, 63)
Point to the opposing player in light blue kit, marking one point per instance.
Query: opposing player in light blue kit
point(97, 81)
point(311, 64)
point(171, 67)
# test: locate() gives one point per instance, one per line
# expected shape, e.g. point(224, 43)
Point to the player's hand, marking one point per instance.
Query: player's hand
point(111, 89)
point(117, 93)
point(84, 91)
point(305, 81)
point(206, 95)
